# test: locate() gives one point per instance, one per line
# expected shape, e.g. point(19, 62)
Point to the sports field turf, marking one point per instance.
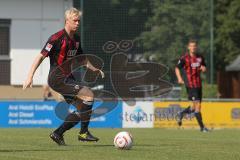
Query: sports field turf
point(156, 144)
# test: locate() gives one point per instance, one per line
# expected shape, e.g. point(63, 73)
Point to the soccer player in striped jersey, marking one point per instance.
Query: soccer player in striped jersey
point(63, 49)
point(192, 64)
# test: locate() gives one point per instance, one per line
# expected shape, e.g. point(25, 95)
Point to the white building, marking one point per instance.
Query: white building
point(25, 26)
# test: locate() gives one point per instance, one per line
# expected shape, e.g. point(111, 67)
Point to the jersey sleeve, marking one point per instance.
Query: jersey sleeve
point(79, 50)
point(79, 53)
point(48, 47)
point(78, 42)
point(181, 63)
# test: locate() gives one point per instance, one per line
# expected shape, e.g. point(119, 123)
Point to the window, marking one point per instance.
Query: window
point(4, 51)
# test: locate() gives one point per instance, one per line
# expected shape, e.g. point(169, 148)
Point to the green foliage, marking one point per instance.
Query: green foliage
point(227, 23)
point(170, 27)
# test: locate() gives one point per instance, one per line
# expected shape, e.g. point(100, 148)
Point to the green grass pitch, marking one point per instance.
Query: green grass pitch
point(149, 144)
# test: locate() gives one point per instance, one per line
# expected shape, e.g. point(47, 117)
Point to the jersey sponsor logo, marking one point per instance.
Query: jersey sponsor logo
point(195, 65)
point(48, 47)
point(71, 53)
point(199, 60)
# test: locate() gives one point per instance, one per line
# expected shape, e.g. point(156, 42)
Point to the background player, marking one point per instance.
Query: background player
point(192, 64)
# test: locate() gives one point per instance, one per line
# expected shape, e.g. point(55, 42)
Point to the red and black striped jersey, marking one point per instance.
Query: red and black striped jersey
point(191, 68)
point(60, 48)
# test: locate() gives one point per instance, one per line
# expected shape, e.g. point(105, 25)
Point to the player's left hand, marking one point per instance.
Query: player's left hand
point(101, 73)
point(203, 68)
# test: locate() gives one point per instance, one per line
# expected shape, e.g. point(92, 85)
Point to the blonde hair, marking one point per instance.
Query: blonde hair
point(72, 12)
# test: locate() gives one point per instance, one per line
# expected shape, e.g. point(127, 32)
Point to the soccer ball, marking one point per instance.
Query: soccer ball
point(123, 140)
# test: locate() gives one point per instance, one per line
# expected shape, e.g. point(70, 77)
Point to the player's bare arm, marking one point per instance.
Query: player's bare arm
point(94, 69)
point(28, 82)
point(178, 74)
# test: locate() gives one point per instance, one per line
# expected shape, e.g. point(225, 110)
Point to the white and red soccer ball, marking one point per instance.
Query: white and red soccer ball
point(123, 140)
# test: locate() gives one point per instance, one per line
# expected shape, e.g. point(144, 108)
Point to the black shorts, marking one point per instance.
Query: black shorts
point(194, 94)
point(67, 86)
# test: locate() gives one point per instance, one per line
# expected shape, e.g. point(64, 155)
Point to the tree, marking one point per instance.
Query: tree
point(172, 24)
point(227, 32)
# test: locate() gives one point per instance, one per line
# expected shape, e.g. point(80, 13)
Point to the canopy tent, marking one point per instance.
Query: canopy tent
point(234, 66)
